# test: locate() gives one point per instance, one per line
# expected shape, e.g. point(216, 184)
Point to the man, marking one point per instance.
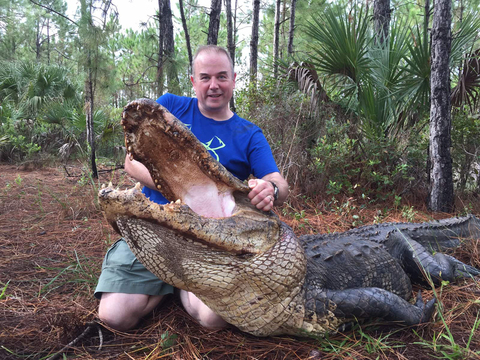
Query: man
point(127, 290)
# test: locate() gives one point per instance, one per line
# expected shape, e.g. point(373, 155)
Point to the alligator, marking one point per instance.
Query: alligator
point(247, 265)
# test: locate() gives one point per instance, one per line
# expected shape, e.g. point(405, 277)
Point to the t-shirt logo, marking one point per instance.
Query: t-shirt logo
point(218, 143)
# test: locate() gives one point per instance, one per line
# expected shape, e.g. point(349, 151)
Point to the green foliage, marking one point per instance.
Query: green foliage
point(445, 345)
point(408, 213)
point(466, 149)
point(15, 145)
point(42, 111)
point(168, 340)
point(80, 272)
point(4, 290)
point(341, 44)
point(357, 167)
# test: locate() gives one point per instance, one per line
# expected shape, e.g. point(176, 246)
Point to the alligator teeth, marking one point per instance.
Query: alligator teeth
point(178, 201)
point(110, 184)
point(103, 186)
point(138, 186)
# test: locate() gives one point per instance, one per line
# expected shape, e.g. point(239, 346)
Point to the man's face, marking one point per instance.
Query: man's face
point(213, 82)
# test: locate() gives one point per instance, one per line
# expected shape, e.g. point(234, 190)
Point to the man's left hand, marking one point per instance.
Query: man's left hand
point(262, 194)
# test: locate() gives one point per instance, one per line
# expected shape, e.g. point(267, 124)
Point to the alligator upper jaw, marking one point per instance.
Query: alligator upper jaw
point(179, 164)
point(246, 231)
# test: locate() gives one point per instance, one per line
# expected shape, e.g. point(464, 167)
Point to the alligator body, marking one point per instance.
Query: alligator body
point(247, 265)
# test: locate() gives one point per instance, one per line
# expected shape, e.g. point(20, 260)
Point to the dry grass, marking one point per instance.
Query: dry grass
point(52, 242)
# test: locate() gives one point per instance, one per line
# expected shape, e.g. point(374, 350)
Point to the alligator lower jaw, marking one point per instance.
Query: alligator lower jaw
point(246, 231)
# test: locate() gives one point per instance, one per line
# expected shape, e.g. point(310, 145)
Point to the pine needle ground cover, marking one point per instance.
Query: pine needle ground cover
point(52, 241)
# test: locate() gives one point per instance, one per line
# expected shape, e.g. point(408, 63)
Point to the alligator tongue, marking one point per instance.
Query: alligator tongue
point(179, 164)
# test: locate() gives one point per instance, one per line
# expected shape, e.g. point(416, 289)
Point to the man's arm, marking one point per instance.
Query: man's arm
point(139, 172)
point(262, 193)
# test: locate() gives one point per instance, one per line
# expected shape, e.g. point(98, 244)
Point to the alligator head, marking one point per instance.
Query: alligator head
point(243, 263)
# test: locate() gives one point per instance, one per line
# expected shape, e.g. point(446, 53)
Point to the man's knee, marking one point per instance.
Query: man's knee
point(201, 312)
point(123, 311)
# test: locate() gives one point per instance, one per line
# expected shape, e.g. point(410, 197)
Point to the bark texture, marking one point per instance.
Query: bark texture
point(214, 25)
point(254, 41)
point(230, 39)
point(187, 36)
point(230, 34)
point(161, 32)
point(276, 36)
point(89, 96)
point(169, 39)
point(441, 193)
point(292, 27)
point(381, 18)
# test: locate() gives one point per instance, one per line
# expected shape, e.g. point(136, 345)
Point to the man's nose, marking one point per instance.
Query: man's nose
point(213, 83)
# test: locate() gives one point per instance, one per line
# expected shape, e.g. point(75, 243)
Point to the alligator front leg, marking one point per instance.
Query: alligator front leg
point(422, 265)
point(369, 303)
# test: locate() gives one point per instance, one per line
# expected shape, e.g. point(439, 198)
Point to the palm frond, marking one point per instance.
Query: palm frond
point(340, 43)
point(306, 78)
point(463, 39)
point(467, 90)
point(415, 83)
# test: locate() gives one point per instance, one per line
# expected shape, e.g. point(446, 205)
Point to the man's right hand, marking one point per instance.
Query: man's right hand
point(139, 172)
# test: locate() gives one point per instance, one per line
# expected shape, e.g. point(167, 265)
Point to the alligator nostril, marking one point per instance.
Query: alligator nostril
point(105, 192)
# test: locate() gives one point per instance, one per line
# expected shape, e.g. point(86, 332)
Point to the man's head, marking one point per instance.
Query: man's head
point(214, 49)
point(213, 80)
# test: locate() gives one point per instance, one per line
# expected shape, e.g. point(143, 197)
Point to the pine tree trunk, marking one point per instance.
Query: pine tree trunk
point(187, 36)
point(161, 32)
point(292, 27)
point(48, 41)
point(276, 37)
point(282, 28)
point(37, 42)
point(441, 194)
point(230, 35)
point(381, 18)
point(230, 40)
point(214, 25)
point(169, 46)
point(254, 41)
point(89, 117)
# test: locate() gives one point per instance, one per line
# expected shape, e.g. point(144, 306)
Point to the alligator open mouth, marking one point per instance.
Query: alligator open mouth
point(179, 164)
point(207, 202)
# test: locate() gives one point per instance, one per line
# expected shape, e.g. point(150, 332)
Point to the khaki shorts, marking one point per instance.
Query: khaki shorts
point(123, 273)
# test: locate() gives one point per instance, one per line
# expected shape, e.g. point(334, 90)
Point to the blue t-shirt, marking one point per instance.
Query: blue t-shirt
point(236, 143)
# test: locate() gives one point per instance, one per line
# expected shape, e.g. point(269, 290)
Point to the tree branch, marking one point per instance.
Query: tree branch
point(51, 10)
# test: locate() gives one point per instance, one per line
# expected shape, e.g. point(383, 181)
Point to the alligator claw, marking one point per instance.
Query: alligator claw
point(427, 309)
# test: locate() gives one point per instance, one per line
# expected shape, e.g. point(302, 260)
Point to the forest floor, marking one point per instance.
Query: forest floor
point(52, 241)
